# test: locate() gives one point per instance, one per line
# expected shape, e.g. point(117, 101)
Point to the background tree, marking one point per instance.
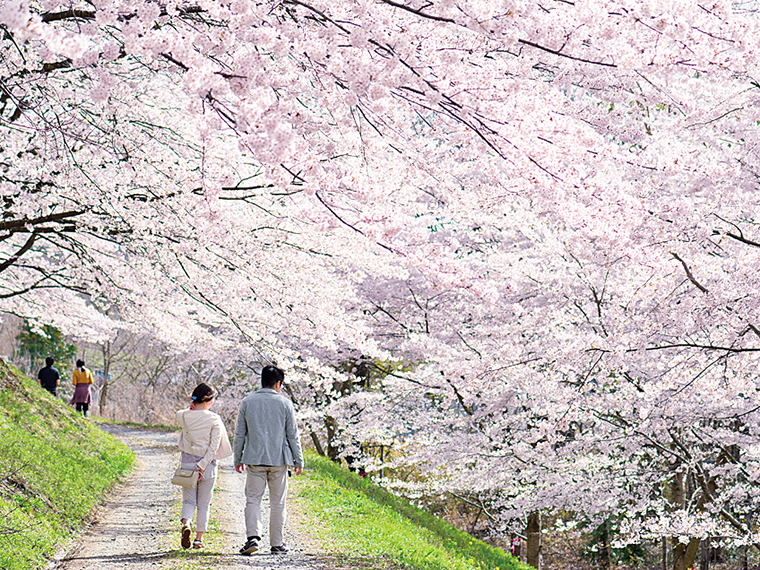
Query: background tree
point(36, 343)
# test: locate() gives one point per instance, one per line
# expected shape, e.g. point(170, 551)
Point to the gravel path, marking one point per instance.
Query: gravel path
point(138, 528)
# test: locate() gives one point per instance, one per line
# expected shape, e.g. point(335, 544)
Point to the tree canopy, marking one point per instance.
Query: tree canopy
point(545, 210)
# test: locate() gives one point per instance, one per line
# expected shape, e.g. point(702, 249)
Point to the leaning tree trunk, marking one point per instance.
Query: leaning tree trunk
point(684, 555)
point(312, 434)
point(533, 547)
point(331, 428)
point(106, 350)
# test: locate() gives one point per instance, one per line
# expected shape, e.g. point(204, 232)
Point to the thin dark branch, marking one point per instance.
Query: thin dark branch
point(743, 239)
point(16, 256)
point(560, 54)
point(467, 408)
point(341, 220)
point(732, 349)
point(689, 274)
point(418, 12)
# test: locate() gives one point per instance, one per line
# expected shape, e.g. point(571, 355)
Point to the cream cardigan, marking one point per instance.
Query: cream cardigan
point(203, 434)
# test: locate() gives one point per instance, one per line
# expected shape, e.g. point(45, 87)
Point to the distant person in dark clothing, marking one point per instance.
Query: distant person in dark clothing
point(49, 376)
point(82, 383)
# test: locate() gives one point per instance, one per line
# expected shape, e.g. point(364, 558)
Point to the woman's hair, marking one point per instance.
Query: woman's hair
point(203, 393)
point(80, 363)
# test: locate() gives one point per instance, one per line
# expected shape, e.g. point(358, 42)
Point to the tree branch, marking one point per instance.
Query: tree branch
point(743, 239)
point(22, 223)
point(560, 54)
point(418, 12)
point(702, 346)
point(459, 397)
point(689, 274)
point(15, 257)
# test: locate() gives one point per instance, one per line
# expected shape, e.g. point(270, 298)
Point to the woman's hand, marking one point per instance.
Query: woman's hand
point(200, 473)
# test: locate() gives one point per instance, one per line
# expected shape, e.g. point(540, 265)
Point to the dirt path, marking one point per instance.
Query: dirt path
point(138, 528)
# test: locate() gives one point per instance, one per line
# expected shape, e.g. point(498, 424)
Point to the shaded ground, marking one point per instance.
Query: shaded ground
point(138, 527)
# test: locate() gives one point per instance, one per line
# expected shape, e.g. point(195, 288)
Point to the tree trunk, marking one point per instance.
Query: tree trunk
point(106, 348)
point(314, 436)
point(677, 491)
point(704, 555)
point(684, 555)
point(533, 533)
point(606, 550)
point(332, 450)
point(317, 444)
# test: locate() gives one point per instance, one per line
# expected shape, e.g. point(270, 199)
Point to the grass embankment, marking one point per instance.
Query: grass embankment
point(369, 527)
point(54, 468)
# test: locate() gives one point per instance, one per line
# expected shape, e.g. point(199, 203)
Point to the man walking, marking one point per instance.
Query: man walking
point(49, 376)
point(266, 443)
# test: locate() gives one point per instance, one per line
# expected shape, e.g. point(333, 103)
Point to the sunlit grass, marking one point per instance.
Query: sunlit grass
point(354, 518)
point(54, 468)
point(151, 427)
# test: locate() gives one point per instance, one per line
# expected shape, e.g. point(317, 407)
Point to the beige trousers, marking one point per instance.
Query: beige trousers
point(259, 477)
point(199, 497)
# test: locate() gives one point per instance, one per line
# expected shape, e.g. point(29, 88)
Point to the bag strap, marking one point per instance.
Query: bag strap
point(183, 427)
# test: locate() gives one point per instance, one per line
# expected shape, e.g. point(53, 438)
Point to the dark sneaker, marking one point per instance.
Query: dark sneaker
point(282, 549)
point(251, 546)
point(185, 536)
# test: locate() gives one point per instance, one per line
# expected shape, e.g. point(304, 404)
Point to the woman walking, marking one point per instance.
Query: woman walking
point(203, 441)
point(82, 383)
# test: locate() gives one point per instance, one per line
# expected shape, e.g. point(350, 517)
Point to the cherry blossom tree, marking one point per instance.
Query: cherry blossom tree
point(546, 210)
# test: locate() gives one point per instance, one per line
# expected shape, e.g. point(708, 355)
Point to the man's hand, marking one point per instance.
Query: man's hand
point(240, 468)
point(297, 470)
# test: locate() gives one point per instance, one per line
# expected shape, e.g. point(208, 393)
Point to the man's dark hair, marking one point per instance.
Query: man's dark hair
point(80, 363)
point(49, 361)
point(270, 375)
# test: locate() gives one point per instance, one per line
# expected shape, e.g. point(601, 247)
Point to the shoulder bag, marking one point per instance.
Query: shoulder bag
point(185, 477)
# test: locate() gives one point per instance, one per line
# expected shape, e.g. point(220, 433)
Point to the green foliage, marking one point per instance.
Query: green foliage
point(36, 344)
point(54, 467)
point(602, 536)
point(356, 517)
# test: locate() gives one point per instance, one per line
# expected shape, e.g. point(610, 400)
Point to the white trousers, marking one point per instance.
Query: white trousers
point(199, 497)
point(257, 480)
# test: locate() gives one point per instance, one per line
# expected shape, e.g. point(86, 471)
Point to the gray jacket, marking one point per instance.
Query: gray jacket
point(266, 432)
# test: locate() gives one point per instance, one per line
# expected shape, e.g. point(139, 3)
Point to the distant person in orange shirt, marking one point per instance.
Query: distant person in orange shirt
point(82, 383)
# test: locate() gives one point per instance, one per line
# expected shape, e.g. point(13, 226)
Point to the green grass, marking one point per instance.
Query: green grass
point(151, 427)
point(353, 517)
point(54, 468)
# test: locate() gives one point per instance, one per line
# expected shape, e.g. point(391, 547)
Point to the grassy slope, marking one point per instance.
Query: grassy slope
point(353, 518)
point(54, 467)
